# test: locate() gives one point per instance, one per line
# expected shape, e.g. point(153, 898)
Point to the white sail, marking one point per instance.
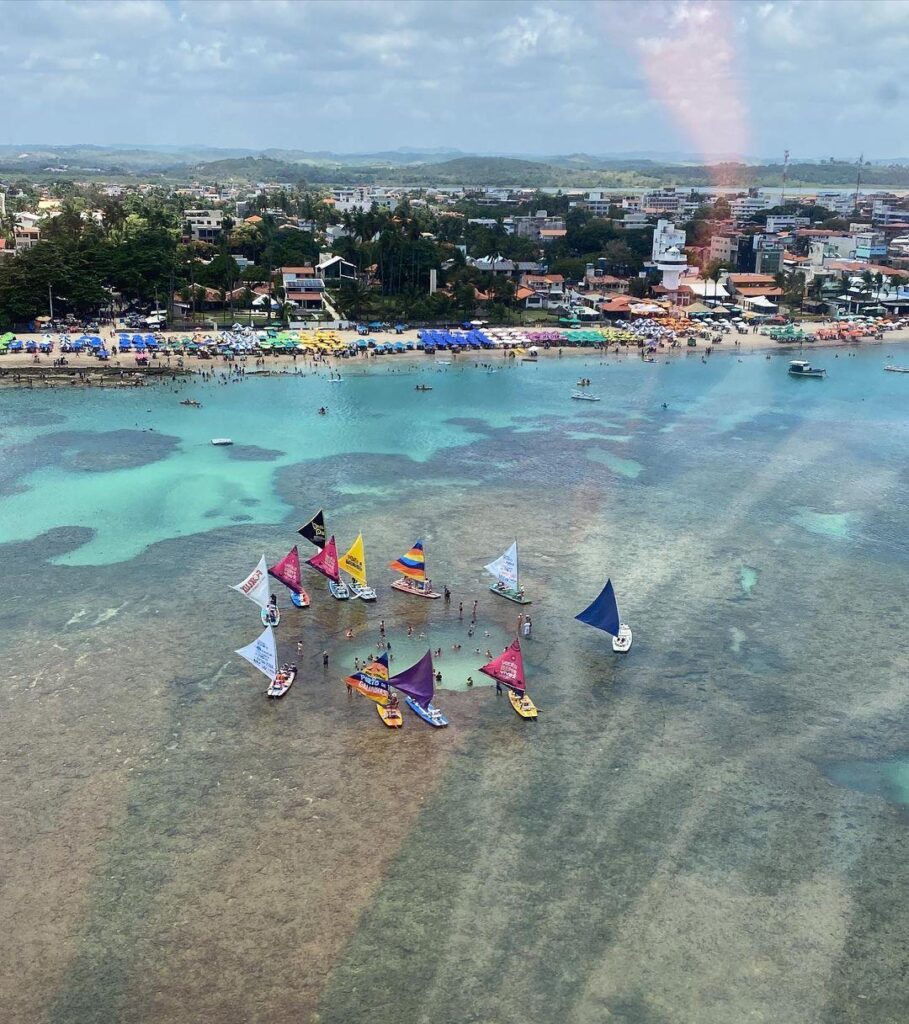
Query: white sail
point(262, 653)
point(256, 586)
point(505, 569)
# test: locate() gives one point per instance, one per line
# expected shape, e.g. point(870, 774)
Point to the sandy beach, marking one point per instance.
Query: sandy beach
point(26, 369)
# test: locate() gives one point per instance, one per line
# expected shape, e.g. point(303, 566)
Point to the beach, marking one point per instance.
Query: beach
point(710, 828)
point(84, 369)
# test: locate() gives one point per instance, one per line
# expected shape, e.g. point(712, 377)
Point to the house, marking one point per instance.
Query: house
point(302, 287)
point(25, 238)
point(532, 227)
point(204, 225)
point(334, 270)
point(5, 250)
point(541, 291)
point(870, 246)
point(759, 292)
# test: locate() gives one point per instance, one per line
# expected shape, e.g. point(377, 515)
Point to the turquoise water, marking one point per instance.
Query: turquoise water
point(690, 833)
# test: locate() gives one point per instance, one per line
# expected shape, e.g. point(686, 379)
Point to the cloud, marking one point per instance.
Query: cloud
point(756, 76)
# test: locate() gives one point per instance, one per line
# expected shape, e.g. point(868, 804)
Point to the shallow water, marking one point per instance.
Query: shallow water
point(665, 844)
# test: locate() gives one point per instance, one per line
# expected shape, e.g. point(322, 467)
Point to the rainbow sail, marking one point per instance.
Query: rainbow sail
point(287, 571)
point(326, 561)
point(508, 668)
point(372, 680)
point(413, 564)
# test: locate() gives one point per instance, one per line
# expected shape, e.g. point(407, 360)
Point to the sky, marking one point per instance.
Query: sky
point(703, 78)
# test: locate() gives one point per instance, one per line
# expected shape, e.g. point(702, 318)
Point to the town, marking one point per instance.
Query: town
point(210, 254)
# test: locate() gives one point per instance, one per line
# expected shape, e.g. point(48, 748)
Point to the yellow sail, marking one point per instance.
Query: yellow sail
point(353, 561)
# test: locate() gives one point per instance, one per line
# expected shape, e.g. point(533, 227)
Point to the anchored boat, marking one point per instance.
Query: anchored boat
point(801, 368)
point(417, 683)
point(372, 682)
point(897, 369)
point(508, 668)
point(287, 571)
point(325, 561)
point(256, 588)
point(353, 562)
point(603, 613)
point(505, 570)
point(412, 567)
point(263, 655)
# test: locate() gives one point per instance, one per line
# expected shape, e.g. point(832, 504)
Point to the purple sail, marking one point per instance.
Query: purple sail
point(417, 681)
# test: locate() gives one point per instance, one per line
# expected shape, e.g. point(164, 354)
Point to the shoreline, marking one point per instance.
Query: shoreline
point(23, 370)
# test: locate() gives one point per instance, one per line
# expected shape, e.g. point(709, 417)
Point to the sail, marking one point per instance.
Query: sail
point(603, 613)
point(508, 668)
point(413, 564)
point(372, 680)
point(353, 561)
point(505, 569)
point(417, 681)
point(255, 586)
point(326, 561)
point(314, 530)
point(262, 653)
point(287, 571)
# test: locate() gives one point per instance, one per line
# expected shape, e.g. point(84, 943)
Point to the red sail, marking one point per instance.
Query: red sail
point(287, 571)
point(508, 668)
point(326, 561)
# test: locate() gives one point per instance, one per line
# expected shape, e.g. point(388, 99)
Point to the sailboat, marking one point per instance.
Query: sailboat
point(508, 668)
point(314, 531)
point(325, 561)
point(353, 561)
point(263, 655)
point(417, 683)
point(287, 571)
point(505, 570)
point(603, 613)
point(412, 567)
point(372, 682)
point(256, 588)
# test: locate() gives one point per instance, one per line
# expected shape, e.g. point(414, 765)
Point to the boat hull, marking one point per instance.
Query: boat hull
point(523, 705)
point(364, 593)
point(510, 595)
point(267, 620)
point(810, 374)
point(300, 600)
point(391, 717)
point(277, 690)
point(432, 716)
point(621, 644)
point(339, 591)
point(407, 586)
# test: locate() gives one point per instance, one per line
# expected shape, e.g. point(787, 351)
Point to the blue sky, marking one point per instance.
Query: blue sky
point(819, 77)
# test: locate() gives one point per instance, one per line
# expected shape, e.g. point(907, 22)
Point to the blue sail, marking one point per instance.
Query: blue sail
point(602, 613)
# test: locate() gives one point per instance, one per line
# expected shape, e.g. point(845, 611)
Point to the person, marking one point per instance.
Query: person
point(470, 629)
point(470, 680)
point(475, 610)
point(410, 630)
point(299, 647)
point(325, 659)
point(438, 677)
point(447, 593)
point(460, 609)
point(382, 627)
point(498, 687)
point(349, 634)
point(349, 689)
point(356, 664)
point(520, 622)
point(489, 654)
point(528, 627)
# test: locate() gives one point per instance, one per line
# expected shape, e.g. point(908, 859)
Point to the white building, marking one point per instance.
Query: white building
point(784, 222)
point(204, 225)
point(668, 242)
point(842, 203)
point(748, 207)
point(665, 236)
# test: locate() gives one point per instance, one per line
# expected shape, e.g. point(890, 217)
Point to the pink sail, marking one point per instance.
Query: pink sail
point(287, 571)
point(326, 561)
point(508, 668)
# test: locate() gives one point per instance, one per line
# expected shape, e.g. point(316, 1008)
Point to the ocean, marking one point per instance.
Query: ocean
point(709, 829)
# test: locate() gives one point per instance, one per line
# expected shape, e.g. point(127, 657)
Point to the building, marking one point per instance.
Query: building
point(204, 225)
point(884, 214)
point(758, 292)
point(870, 246)
point(669, 201)
point(665, 236)
point(842, 203)
point(302, 287)
point(668, 242)
point(531, 227)
point(546, 291)
point(2, 204)
point(25, 238)
point(334, 269)
point(599, 203)
point(785, 222)
point(749, 207)
point(724, 248)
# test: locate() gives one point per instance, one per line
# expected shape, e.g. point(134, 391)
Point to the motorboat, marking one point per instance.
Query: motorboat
point(579, 397)
point(801, 368)
point(221, 441)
